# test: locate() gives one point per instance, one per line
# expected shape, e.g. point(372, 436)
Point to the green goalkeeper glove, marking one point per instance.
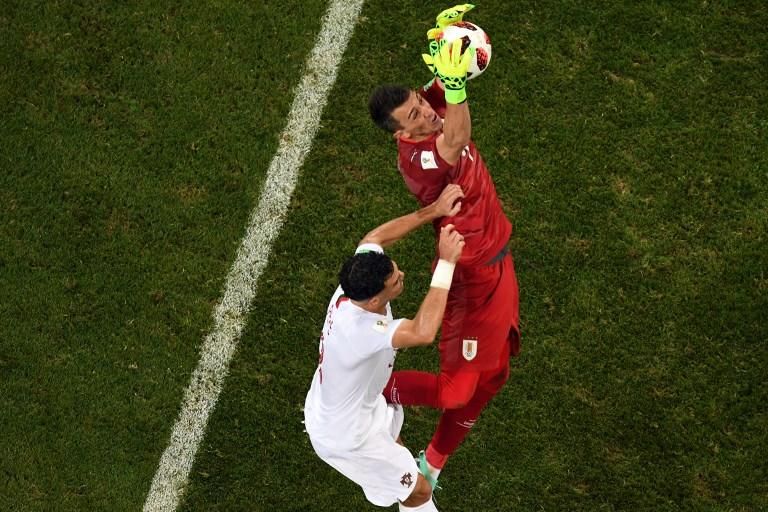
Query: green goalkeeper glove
point(451, 68)
point(452, 15)
point(446, 17)
point(429, 60)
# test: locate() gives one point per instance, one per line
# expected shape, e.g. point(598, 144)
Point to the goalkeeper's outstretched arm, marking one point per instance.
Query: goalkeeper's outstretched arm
point(451, 69)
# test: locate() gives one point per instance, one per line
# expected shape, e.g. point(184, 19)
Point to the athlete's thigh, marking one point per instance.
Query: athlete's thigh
point(474, 333)
point(493, 380)
point(395, 419)
point(456, 387)
point(385, 470)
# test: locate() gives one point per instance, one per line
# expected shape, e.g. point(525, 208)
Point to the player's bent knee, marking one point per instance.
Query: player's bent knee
point(457, 390)
point(452, 403)
point(455, 398)
point(422, 492)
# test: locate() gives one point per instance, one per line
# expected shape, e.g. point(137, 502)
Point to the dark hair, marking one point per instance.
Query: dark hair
point(383, 101)
point(362, 276)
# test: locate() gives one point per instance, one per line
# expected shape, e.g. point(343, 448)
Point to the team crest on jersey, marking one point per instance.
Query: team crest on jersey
point(380, 326)
point(469, 348)
point(428, 160)
point(406, 480)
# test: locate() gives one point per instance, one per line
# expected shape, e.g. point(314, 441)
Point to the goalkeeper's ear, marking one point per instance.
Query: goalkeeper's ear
point(401, 133)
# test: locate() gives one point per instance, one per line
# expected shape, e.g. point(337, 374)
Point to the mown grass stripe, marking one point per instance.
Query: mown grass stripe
point(264, 225)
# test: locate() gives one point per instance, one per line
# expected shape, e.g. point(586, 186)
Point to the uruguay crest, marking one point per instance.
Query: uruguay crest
point(469, 348)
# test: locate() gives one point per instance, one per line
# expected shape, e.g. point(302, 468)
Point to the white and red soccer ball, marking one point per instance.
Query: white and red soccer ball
point(472, 36)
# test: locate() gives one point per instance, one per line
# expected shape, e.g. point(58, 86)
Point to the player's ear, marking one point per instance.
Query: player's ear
point(401, 133)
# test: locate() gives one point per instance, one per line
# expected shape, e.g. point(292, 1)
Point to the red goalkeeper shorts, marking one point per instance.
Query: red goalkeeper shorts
point(481, 317)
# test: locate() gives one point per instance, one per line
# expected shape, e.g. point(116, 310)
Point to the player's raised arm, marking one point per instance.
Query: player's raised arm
point(447, 204)
point(423, 328)
point(450, 67)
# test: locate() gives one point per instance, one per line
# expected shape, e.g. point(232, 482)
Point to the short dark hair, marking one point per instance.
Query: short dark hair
point(383, 101)
point(363, 275)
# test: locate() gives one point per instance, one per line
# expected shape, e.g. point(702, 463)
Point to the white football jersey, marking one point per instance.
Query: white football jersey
point(345, 402)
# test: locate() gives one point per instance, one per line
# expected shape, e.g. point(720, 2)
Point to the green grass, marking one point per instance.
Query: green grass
point(629, 144)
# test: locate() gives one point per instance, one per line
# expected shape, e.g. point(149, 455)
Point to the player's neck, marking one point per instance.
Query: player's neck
point(371, 308)
point(418, 138)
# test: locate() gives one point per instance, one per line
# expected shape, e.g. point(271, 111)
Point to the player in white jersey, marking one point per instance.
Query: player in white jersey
point(349, 423)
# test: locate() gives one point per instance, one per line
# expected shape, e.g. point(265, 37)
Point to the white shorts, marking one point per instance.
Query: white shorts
point(385, 470)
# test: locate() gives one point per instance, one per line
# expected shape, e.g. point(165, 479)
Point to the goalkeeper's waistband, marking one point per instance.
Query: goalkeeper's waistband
point(500, 256)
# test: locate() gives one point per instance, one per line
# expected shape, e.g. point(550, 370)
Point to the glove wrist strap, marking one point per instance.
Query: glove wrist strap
point(455, 96)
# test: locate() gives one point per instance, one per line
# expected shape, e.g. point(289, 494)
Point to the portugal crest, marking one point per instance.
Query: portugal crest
point(380, 326)
point(469, 348)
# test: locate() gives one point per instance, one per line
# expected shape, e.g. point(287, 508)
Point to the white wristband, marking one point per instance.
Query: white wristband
point(443, 275)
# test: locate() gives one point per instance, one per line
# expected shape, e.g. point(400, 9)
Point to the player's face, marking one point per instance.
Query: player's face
point(416, 118)
point(395, 283)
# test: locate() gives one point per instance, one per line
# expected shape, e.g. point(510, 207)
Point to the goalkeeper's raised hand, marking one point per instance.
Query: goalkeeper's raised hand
point(446, 17)
point(433, 48)
point(449, 16)
point(451, 68)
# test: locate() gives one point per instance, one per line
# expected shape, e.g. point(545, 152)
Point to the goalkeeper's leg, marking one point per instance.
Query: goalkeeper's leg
point(448, 390)
point(455, 424)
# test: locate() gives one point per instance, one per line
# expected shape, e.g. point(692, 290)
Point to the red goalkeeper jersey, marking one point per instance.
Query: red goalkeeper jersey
point(482, 221)
point(481, 317)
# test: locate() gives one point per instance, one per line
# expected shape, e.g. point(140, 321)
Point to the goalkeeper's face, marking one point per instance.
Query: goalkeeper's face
point(416, 118)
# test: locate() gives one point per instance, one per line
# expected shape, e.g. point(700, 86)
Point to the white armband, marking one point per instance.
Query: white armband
point(443, 275)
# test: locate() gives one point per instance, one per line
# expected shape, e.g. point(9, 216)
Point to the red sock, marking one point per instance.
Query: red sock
point(453, 427)
point(435, 458)
point(412, 388)
point(455, 424)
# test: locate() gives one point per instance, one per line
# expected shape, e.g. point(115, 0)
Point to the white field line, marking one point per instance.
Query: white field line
point(229, 317)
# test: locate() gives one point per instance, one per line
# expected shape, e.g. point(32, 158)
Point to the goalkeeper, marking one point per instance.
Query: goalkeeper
point(480, 329)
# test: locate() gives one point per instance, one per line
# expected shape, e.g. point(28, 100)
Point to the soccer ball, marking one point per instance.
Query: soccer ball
point(473, 36)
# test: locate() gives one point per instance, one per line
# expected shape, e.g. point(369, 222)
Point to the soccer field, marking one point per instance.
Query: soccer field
point(628, 142)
